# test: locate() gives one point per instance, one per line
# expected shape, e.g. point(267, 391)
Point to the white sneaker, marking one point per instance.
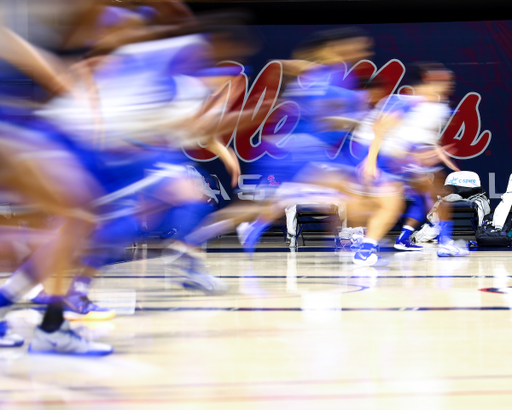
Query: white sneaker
point(65, 341)
point(345, 234)
point(356, 242)
point(203, 282)
point(451, 248)
point(243, 231)
point(189, 272)
point(8, 338)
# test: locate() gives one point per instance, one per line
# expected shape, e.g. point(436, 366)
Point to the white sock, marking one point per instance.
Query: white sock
point(17, 286)
point(372, 241)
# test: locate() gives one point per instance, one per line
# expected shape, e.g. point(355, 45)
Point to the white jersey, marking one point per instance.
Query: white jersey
point(138, 94)
point(420, 124)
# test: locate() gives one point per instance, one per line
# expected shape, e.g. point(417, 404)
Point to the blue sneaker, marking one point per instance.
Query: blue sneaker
point(356, 242)
point(365, 256)
point(7, 338)
point(354, 247)
point(43, 298)
point(79, 307)
point(406, 245)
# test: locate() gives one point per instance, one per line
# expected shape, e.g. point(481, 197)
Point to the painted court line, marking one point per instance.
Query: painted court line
point(278, 382)
point(298, 309)
point(313, 277)
point(301, 397)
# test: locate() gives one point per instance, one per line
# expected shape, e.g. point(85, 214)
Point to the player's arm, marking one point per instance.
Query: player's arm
point(380, 128)
point(83, 25)
point(209, 124)
point(172, 11)
point(228, 158)
point(167, 12)
point(295, 67)
point(444, 158)
point(138, 32)
point(435, 155)
point(44, 68)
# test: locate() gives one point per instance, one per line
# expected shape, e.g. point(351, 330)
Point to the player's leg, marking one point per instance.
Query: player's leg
point(176, 193)
point(414, 214)
point(447, 246)
point(52, 177)
point(388, 210)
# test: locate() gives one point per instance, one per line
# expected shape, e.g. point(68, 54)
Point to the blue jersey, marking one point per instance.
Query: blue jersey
point(319, 94)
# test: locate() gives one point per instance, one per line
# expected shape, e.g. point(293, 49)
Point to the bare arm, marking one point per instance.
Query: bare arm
point(380, 127)
point(434, 156)
point(444, 158)
point(168, 12)
point(228, 158)
point(209, 123)
point(137, 34)
point(42, 67)
point(295, 67)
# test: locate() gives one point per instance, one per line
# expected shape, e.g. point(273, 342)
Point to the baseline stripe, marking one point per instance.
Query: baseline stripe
point(297, 309)
point(220, 399)
point(311, 277)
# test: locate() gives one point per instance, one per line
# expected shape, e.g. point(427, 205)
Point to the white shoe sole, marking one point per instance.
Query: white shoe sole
point(455, 252)
point(370, 261)
point(405, 248)
point(90, 353)
point(11, 343)
point(448, 254)
point(68, 315)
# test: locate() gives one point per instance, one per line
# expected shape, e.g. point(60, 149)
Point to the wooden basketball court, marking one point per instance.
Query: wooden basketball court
point(298, 330)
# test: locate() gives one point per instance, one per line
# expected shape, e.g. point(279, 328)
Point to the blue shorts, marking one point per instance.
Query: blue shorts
point(303, 149)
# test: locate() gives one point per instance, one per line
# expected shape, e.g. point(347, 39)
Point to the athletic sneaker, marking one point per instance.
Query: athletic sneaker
point(365, 255)
point(65, 341)
point(188, 272)
point(357, 241)
point(243, 231)
point(209, 285)
point(79, 307)
point(7, 338)
point(450, 248)
point(355, 246)
point(43, 298)
point(406, 245)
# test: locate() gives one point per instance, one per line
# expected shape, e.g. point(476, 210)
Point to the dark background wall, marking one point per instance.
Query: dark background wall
point(474, 39)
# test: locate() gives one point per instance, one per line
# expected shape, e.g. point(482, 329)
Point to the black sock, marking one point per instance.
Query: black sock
point(53, 318)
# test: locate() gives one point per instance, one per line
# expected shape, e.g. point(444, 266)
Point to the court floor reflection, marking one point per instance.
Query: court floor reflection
point(296, 330)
